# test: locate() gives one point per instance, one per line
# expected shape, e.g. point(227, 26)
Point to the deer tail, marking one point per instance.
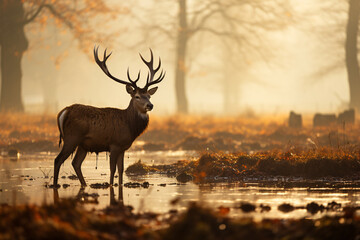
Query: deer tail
point(60, 123)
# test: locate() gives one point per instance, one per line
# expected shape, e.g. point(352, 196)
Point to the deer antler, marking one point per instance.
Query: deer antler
point(150, 77)
point(137, 79)
point(102, 65)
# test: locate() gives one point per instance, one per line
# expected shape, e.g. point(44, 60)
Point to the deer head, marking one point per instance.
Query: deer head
point(140, 96)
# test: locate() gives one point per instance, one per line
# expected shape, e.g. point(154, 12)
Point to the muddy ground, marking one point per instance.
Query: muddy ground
point(259, 150)
point(68, 220)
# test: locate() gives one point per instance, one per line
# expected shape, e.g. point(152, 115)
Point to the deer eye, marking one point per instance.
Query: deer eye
point(137, 97)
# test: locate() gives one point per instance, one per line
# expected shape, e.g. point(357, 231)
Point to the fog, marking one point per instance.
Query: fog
point(288, 80)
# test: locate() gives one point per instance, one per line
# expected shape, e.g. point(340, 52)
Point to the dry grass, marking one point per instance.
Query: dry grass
point(231, 134)
point(219, 166)
point(247, 134)
point(25, 127)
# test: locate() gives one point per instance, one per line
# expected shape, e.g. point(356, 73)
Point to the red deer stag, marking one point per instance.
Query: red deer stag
point(92, 129)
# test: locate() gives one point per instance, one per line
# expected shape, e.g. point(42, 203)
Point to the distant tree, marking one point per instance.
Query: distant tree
point(248, 41)
point(234, 22)
point(80, 17)
point(339, 32)
point(351, 53)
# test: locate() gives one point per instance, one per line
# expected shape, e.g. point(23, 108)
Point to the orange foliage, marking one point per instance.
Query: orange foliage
point(22, 127)
point(249, 134)
point(204, 133)
point(87, 21)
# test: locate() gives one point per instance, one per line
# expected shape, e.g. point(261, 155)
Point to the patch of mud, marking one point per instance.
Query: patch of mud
point(68, 220)
point(197, 221)
point(139, 168)
point(137, 185)
point(73, 177)
point(283, 168)
point(104, 185)
point(184, 177)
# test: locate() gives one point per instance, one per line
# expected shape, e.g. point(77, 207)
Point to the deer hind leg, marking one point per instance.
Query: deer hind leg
point(76, 163)
point(63, 155)
point(120, 165)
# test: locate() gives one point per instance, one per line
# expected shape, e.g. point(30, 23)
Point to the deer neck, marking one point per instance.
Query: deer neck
point(136, 120)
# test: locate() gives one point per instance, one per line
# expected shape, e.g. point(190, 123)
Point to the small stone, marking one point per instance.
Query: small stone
point(100, 185)
point(265, 208)
point(73, 177)
point(334, 205)
point(247, 207)
point(132, 185)
point(313, 207)
point(285, 207)
point(184, 177)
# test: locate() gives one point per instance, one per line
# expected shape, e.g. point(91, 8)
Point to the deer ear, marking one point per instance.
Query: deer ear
point(130, 90)
point(152, 91)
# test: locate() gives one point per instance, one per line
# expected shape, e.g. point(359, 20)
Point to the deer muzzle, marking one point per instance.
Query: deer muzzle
point(149, 107)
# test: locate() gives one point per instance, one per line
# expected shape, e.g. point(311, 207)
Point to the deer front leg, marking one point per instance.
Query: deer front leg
point(114, 154)
point(120, 165)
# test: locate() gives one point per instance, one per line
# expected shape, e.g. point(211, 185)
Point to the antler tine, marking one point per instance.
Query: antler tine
point(159, 79)
point(102, 65)
point(150, 64)
point(106, 56)
point(137, 79)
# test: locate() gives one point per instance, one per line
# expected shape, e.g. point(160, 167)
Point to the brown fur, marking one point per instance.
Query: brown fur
point(92, 129)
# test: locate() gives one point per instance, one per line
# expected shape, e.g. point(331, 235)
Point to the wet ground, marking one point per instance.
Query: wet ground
point(23, 179)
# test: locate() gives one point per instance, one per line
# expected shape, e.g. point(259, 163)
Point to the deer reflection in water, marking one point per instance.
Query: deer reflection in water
point(80, 195)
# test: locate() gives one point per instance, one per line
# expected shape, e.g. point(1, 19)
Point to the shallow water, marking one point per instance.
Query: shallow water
point(23, 180)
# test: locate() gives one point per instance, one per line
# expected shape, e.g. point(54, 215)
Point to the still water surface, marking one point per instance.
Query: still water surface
point(23, 180)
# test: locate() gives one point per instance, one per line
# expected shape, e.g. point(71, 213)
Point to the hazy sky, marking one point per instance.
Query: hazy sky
point(288, 84)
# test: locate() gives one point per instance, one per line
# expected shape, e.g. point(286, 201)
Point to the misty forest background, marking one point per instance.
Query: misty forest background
point(221, 56)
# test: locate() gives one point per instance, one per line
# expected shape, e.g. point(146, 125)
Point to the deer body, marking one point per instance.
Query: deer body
point(90, 129)
point(100, 128)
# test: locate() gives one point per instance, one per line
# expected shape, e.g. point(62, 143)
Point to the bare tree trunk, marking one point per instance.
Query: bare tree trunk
point(180, 75)
point(351, 51)
point(10, 81)
point(13, 44)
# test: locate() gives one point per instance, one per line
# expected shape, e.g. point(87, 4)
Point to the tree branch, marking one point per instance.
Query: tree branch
point(37, 12)
point(58, 15)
